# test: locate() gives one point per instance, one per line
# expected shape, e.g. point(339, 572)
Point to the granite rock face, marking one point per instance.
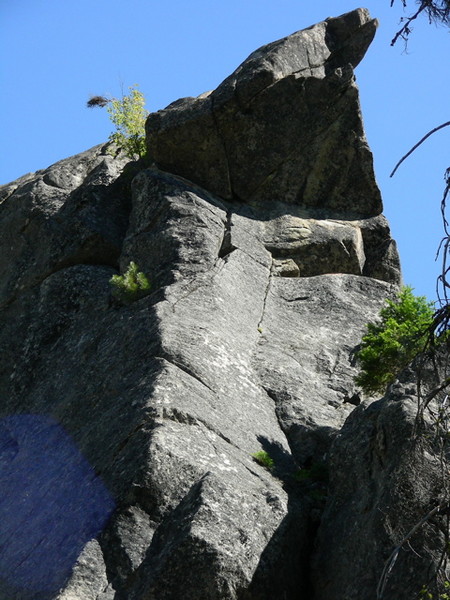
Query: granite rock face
point(383, 519)
point(127, 433)
point(71, 213)
point(285, 126)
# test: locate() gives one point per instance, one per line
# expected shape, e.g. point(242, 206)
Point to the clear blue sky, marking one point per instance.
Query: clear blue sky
point(56, 53)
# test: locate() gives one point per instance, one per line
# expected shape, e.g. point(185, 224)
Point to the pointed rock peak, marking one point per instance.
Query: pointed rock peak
point(333, 43)
point(349, 36)
point(284, 126)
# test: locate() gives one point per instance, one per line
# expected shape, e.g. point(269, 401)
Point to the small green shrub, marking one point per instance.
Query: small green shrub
point(130, 286)
point(128, 115)
point(445, 595)
point(391, 344)
point(317, 473)
point(425, 593)
point(264, 459)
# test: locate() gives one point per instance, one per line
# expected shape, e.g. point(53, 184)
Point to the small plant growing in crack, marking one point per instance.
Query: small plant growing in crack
point(130, 286)
point(425, 593)
point(313, 481)
point(264, 459)
point(317, 473)
point(128, 114)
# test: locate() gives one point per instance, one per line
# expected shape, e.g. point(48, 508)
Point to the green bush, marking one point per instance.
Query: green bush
point(425, 593)
point(264, 459)
point(128, 115)
point(391, 344)
point(130, 286)
point(317, 473)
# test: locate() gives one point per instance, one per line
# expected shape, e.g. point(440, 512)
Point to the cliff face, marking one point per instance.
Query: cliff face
point(127, 432)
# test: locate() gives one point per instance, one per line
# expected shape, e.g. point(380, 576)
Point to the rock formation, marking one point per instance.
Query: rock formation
point(127, 433)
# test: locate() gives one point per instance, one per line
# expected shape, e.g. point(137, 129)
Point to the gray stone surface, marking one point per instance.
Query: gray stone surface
point(168, 399)
point(65, 215)
point(286, 125)
point(127, 432)
point(386, 475)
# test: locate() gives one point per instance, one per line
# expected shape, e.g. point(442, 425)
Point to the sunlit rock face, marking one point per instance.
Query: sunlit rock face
point(258, 223)
point(285, 126)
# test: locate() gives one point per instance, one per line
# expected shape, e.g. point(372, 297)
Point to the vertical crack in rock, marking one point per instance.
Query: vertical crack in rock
point(276, 401)
point(282, 425)
point(227, 246)
point(266, 294)
point(308, 58)
point(222, 142)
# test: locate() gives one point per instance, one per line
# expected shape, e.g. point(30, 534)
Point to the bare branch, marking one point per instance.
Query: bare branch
point(405, 30)
point(437, 11)
point(394, 555)
point(418, 144)
point(433, 394)
point(444, 246)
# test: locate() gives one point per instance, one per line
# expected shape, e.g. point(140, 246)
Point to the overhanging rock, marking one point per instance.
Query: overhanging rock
point(285, 126)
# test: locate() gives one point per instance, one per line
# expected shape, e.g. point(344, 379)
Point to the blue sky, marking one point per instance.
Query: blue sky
point(56, 53)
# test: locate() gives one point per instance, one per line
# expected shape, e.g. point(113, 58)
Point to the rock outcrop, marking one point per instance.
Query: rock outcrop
point(285, 126)
point(127, 433)
point(383, 533)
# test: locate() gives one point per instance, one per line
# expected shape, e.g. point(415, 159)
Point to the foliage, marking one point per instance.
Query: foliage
point(128, 115)
point(317, 473)
point(425, 593)
point(391, 344)
point(130, 286)
point(436, 400)
point(264, 459)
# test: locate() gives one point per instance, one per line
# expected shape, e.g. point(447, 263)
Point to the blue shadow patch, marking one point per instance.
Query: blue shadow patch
point(51, 504)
